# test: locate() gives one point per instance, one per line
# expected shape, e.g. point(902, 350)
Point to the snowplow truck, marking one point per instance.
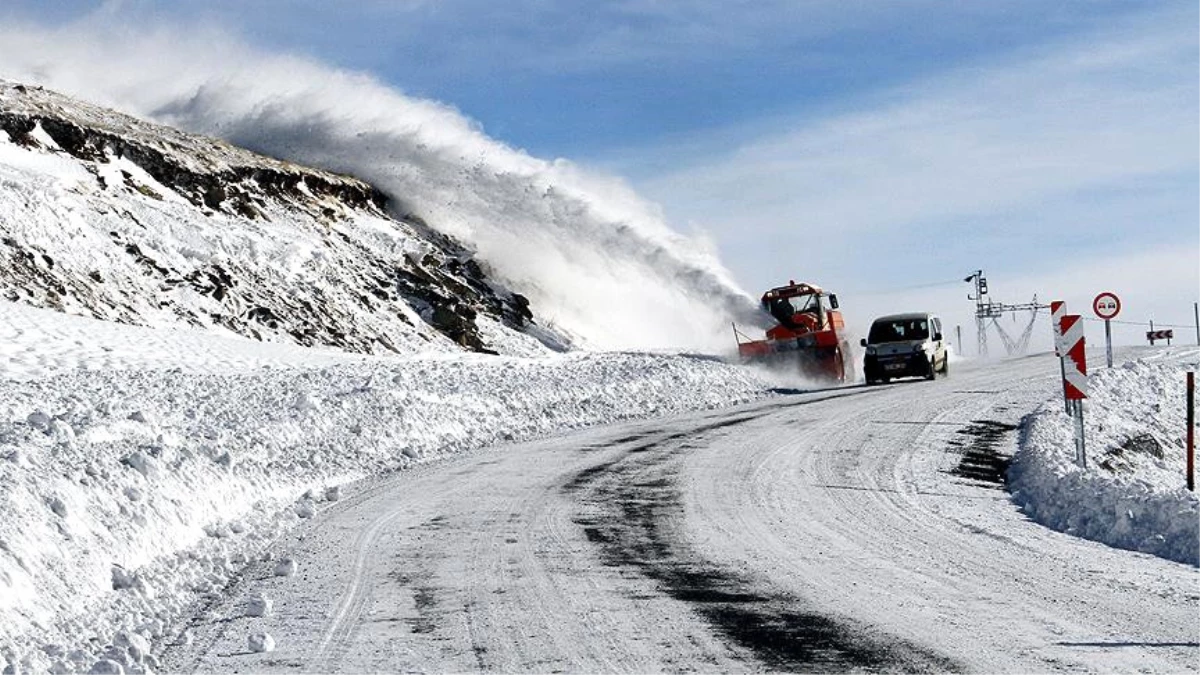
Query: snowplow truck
point(807, 337)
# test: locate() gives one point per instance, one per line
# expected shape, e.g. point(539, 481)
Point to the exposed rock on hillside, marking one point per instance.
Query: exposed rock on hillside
point(105, 215)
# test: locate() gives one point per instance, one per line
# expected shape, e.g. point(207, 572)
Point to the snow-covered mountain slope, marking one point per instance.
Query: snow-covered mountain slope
point(105, 215)
point(595, 259)
point(140, 469)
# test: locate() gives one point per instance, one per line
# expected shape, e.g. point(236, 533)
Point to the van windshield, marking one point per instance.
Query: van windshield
point(898, 330)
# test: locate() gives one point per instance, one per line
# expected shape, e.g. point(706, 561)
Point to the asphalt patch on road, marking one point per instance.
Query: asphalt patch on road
point(424, 600)
point(981, 459)
point(629, 511)
point(587, 476)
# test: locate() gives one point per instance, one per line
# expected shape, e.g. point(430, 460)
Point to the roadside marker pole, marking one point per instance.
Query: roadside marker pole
point(1192, 430)
point(1196, 314)
point(1058, 309)
point(1076, 380)
point(1080, 444)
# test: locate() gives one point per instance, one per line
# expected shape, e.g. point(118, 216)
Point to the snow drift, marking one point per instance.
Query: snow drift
point(595, 260)
point(1132, 494)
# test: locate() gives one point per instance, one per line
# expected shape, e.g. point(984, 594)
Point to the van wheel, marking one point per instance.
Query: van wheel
point(931, 374)
point(946, 365)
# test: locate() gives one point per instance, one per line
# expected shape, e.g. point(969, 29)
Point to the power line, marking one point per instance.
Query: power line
point(1143, 323)
point(899, 289)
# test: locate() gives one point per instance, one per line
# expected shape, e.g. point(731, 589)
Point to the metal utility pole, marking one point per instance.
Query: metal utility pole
point(1196, 314)
point(983, 310)
point(986, 310)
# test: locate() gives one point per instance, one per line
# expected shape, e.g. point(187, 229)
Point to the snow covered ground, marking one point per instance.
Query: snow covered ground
point(848, 530)
point(1133, 492)
point(140, 468)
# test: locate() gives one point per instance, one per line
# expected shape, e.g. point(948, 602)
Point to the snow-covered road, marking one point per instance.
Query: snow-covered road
point(860, 528)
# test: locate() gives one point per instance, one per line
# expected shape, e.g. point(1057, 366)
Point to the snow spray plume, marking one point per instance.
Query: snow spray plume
point(596, 261)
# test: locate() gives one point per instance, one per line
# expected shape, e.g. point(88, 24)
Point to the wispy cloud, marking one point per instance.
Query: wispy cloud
point(1012, 165)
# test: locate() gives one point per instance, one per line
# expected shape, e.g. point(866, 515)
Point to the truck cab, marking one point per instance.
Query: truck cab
point(807, 333)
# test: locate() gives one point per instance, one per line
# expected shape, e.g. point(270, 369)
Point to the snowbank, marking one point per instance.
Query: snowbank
point(1132, 494)
point(133, 489)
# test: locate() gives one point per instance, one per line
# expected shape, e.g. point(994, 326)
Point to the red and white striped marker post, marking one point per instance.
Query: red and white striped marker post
point(1058, 309)
point(1075, 382)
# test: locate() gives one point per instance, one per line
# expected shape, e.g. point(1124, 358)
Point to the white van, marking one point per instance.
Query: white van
point(905, 345)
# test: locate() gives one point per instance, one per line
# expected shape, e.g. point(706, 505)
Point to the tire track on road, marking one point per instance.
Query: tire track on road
point(637, 508)
point(336, 640)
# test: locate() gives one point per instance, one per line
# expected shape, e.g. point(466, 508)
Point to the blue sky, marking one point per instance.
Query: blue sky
point(581, 78)
point(867, 146)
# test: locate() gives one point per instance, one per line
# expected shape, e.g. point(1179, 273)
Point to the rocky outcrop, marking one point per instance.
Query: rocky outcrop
point(178, 225)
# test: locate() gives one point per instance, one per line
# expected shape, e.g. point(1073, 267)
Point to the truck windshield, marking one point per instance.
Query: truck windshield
point(898, 330)
point(783, 308)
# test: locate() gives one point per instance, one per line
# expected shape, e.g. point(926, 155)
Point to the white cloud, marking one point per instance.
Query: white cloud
point(1002, 166)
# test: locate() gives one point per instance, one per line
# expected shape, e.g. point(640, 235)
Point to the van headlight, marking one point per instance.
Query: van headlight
point(870, 350)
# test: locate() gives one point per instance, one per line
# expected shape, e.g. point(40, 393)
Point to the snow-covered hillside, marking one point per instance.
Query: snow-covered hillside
point(595, 259)
point(141, 468)
point(108, 216)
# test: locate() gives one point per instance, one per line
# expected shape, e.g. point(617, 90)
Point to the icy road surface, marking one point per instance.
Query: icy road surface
point(853, 529)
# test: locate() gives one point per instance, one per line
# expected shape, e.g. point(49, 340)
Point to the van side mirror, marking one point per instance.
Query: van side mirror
point(937, 337)
point(863, 342)
point(833, 300)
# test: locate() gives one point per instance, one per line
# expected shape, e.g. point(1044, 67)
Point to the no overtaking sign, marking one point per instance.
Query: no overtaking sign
point(1107, 306)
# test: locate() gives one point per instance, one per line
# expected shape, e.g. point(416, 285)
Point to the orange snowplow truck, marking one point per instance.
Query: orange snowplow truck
point(807, 336)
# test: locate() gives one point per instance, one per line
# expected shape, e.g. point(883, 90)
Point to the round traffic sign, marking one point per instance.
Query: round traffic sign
point(1107, 305)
